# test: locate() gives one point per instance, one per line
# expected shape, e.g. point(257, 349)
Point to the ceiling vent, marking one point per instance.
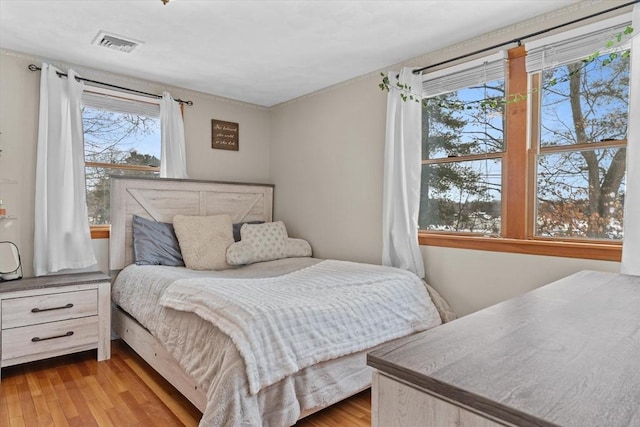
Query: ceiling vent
point(115, 42)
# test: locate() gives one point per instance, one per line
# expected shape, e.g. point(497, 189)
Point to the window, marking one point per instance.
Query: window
point(546, 173)
point(580, 136)
point(121, 136)
point(463, 146)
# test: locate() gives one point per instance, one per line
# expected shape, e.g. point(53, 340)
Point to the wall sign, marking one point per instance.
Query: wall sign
point(224, 135)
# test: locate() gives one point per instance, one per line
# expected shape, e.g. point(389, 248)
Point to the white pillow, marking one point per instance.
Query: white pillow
point(240, 253)
point(265, 242)
point(204, 240)
point(298, 248)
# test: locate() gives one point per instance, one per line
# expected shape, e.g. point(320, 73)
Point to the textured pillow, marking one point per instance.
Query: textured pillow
point(240, 253)
point(265, 242)
point(298, 248)
point(269, 240)
point(204, 240)
point(155, 243)
point(238, 225)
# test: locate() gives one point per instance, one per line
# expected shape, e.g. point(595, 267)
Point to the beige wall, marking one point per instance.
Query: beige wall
point(19, 127)
point(471, 280)
point(326, 157)
point(19, 98)
point(327, 161)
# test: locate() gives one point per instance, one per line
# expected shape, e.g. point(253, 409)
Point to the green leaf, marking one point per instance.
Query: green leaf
point(628, 30)
point(591, 58)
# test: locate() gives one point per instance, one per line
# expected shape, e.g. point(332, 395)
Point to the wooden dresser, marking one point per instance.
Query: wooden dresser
point(566, 354)
point(53, 315)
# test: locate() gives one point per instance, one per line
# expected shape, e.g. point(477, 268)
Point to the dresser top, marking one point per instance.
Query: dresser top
point(53, 281)
point(566, 354)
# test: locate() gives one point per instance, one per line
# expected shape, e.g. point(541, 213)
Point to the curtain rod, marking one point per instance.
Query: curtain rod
point(33, 67)
point(519, 39)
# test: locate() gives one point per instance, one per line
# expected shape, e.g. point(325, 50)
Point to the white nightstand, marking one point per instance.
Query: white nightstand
point(50, 316)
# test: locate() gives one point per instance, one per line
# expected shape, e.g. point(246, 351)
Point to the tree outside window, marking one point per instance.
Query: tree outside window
point(116, 143)
point(581, 161)
point(463, 145)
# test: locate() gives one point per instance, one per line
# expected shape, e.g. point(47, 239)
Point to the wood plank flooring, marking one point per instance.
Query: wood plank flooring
point(76, 390)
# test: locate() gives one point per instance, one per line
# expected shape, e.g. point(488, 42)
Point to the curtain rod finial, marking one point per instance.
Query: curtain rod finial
point(33, 67)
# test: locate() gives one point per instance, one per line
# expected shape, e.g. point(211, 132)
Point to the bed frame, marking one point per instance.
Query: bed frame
point(160, 199)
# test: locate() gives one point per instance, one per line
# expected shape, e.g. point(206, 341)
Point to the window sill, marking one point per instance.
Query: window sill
point(568, 249)
point(100, 231)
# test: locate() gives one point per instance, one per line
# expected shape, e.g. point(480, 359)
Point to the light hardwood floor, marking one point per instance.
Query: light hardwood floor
point(76, 390)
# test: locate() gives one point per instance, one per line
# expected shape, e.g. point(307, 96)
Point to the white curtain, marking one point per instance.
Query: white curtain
point(631, 245)
point(62, 238)
point(173, 160)
point(402, 176)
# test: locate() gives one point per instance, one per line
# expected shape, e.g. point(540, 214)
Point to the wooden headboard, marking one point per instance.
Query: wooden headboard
point(162, 198)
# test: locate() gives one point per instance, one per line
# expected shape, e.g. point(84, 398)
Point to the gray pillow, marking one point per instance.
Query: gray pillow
point(237, 226)
point(155, 243)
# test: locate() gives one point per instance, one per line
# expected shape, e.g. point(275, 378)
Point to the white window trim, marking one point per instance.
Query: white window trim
point(106, 99)
point(574, 45)
point(460, 76)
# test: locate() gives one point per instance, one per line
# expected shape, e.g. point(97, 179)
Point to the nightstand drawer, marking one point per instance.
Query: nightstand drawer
point(51, 339)
point(38, 309)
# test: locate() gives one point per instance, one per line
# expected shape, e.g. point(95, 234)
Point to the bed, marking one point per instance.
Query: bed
point(158, 311)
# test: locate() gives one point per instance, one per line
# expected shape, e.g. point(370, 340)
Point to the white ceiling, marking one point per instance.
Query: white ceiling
point(262, 52)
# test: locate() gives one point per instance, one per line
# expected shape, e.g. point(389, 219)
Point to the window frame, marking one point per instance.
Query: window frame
point(103, 231)
point(518, 185)
point(491, 67)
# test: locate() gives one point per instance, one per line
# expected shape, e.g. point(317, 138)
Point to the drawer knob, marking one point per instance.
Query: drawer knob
point(40, 310)
point(38, 339)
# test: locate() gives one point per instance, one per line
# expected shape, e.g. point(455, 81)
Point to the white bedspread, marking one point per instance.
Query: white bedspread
point(283, 324)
